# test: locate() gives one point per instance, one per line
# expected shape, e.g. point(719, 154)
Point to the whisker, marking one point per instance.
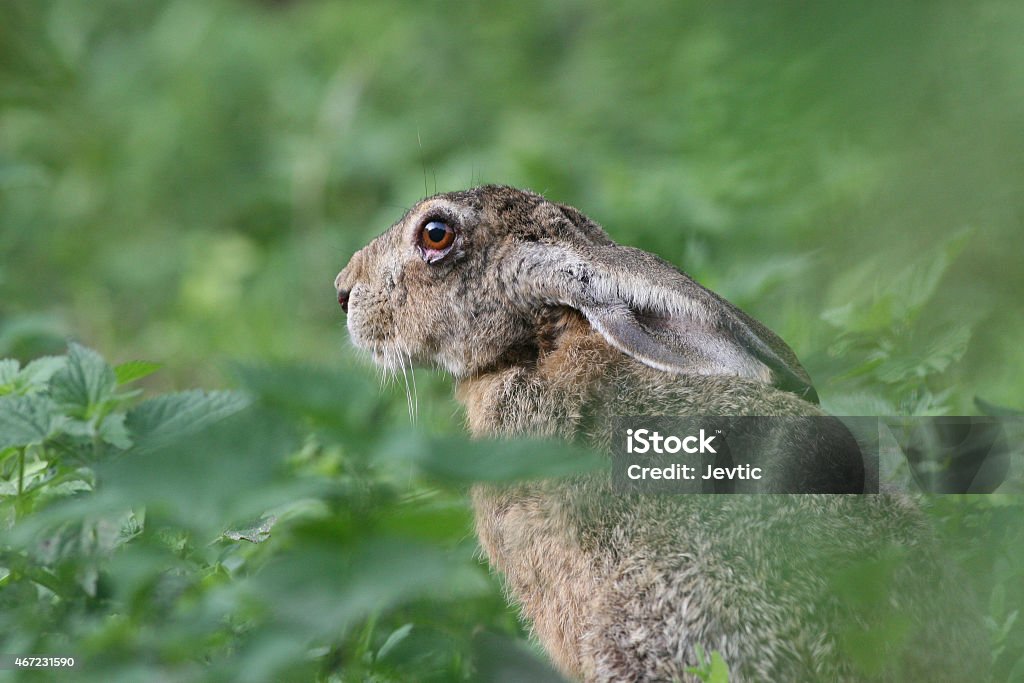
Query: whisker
point(415, 392)
point(405, 378)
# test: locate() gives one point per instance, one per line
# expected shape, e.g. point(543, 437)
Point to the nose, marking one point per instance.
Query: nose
point(346, 279)
point(343, 290)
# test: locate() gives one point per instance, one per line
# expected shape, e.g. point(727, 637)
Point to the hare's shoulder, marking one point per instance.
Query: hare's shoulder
point(581, 381)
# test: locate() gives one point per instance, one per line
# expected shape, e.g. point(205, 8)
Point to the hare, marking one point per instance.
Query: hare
point(549, 328)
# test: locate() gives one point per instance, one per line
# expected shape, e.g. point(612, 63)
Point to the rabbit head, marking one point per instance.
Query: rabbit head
point(464, 279)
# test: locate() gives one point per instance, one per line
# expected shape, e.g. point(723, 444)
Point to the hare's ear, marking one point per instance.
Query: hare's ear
point(646, 308)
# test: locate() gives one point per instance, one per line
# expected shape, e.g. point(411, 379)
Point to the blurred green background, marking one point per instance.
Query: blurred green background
point(181, 180)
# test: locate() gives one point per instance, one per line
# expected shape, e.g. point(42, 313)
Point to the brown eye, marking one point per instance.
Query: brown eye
point(437, 236)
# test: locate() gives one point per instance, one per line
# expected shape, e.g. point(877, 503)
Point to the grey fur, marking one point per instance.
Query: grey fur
point(550, 329)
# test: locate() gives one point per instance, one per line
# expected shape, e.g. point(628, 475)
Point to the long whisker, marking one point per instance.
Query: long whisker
point(391, 359)
point(405, 378)
point(415, 392)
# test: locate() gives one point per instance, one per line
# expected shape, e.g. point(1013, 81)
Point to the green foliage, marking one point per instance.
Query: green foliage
point(893, 353)
point(261, 535)
point(711, 669)
point(180, 180)
point(232, 536)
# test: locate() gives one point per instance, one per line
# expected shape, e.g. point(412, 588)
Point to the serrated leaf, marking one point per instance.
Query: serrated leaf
point(113, 431)
point(936, 358)
point(327, 591)
point(224, 472)
point(80, 428)
point(26, 420)
point(868, 297)
point(85, 382)
point(135, 369)
point(858, 403)
point(8, 372)
point(180, 413)
point(916, 284)
point(312, 392)
point(64, 489)
point(256, 532)
point(40, 371)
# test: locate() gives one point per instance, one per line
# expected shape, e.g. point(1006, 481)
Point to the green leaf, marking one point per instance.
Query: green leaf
point(468, 461)
point(26, 420)
point(256, 532)
point(184, 412)
point(85, 383)
point(719, 671)
point(397, 636)
point(868, 297)
point(987, 408)
point(113, 431)
point(225, 472)
point(343, 401)
point(38, 372)
point(858, 403)
point(135, 369)
point(916, 284)
point(80, 428)
point(500, 658)
point(8, 373)
point(937, 356)
point(320, 590)
point(713, 671)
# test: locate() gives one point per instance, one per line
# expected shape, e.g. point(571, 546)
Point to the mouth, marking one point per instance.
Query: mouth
point(388, 357)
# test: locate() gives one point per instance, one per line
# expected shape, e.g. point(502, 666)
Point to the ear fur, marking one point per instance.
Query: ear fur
point(648, 309)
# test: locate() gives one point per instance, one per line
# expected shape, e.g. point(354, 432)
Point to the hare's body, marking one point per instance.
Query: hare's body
point(551, 329)
point(625, 588)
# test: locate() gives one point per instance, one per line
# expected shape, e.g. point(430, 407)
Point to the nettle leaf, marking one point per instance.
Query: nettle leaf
point(78, 428)
point(225, 471)
point(113, 431)
point(858, 403)
point(315, 393)
point(918, 281)
point(939, 354)
point(869, 297)
point(8, 373)
point(322, 591)
point(86, 382)
point(36, 374)
point(255, 532)
point(184, 412)
point(135, 369)
point(462, 460)
point(26, 420)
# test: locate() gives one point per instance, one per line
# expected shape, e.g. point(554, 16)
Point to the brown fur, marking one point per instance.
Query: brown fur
point(625, 588)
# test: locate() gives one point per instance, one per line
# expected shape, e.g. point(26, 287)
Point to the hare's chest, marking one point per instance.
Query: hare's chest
point(529, 540)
